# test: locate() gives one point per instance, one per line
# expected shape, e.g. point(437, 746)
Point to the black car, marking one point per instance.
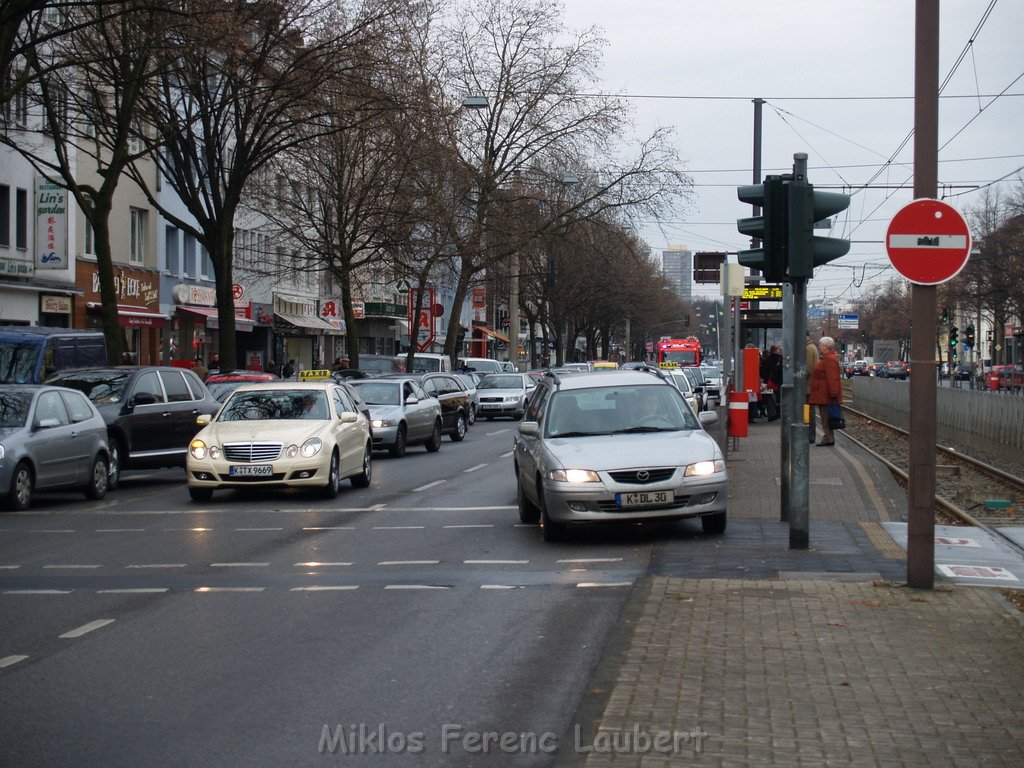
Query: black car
point(150, 412)
point(456, 401)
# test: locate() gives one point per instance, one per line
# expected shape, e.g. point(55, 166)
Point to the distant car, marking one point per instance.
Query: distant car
point(616, 446)
point(223, 384)
point(505, 394)
point(712, 383)
point(456, 402)
point(684, 384)
point(1005, 377)
point(150, 411)
point(576, 366)
point(856, 368)
point(469, 381)
point(379, 365)
point(480, 365)
point(962, 372)
point(507, 366)
point(301, 434)
point(895, 369)
point(403, 414)
point(50, 438)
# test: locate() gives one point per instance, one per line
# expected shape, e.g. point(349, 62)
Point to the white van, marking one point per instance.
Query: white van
point(429, 362)
point(482, 365)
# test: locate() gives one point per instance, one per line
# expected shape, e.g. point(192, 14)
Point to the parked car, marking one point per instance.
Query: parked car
point(150, 412)
point(684, 384)
point(456, 402)
point(284, 434)
point(31, 354)
point(403, 414)
point(616, 446)
point(50, 438)
point(505, 394)
point(712, 383)
point(223, 384)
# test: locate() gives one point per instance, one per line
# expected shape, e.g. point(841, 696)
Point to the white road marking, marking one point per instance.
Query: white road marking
point(37, 591)
point(399, 527)
point(409, 562)
point(506, 455)
point(499, 432)
point(474, 469)
point(329, 528)
point(428, 485)
point(158, 565)
point(7, 661)
point(377, 507)
point(119, 530)
point(136, 591)
point(315, 564)
point(239, 565)
point(85, 628)
point(229, 589)
point(524, 525)
point(501, 586)
point(70, 566)
point(592, 560)
point(471, 525)
point(259, 529)
point(340, 588)
point(589, 584)
point(53, 530)
point(9, 567)
point(495, 562)
point(414, 586)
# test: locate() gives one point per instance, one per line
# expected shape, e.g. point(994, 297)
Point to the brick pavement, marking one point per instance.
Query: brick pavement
point(765, 657)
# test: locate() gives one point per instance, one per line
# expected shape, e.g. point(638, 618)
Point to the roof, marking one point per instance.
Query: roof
point(609, 378)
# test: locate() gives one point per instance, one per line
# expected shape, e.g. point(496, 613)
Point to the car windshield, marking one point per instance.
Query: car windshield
point(14, 408)
point(18, 362)
point(379, 392)
point(377, 364)
point(270, 404)
point(467, 381)
point(618, 410)
point(710, 373)
point(682, 381)
point(221, 389)
point(102, 387)
point(426, 365)
point(501, 381)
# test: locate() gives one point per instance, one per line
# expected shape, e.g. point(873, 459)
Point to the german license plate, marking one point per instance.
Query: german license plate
point(256, 470)
point(644, 498)
point(489, 406)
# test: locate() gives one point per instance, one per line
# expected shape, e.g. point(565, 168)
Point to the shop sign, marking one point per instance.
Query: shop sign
point(479, 300)
point(12, 268)
point(51, 226)
point(55, 305)
point(137, 287)
point(200, 295)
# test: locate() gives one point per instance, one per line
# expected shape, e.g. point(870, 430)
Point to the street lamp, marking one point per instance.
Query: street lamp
point(477, 101)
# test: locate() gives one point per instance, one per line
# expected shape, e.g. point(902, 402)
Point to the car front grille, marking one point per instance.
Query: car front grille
point(492, 399)
point(642, 476)
point(236, 480)
point(252, 452)
point(609, 506)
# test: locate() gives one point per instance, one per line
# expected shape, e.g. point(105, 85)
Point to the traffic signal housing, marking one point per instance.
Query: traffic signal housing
point(969, 337)
point(770, 227)
point(953, 341)
point(807, 206)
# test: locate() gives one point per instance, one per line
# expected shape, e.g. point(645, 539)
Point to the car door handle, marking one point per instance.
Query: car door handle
point(167, 414)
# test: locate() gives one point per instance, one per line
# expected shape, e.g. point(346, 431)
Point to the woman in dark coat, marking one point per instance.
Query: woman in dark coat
point(826, 387)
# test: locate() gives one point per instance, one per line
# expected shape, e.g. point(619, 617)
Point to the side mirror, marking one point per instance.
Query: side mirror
point(411, 400)
point(707, 418)
point(348, 417)
point(203, 419)
point(529, 428)
point(47, 423)
point(144, 398)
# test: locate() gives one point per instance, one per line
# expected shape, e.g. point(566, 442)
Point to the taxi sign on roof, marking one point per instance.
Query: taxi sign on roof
point(314, 375)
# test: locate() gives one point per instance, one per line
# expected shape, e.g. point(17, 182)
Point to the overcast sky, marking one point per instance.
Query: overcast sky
point(838, 78)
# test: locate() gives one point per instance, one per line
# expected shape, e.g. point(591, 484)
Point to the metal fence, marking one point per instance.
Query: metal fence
point(992, 422)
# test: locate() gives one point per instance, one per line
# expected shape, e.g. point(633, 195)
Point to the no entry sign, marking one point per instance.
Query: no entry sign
point(928, 242)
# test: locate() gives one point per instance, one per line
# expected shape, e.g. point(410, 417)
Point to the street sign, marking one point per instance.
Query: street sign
point(928, 242)
point(762, 293)
point(848, 322)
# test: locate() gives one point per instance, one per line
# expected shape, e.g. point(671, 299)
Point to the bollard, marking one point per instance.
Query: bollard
point(738, 408)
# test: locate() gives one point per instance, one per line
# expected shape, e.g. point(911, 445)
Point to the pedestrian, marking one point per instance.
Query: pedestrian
point(215, 363)
point(345, 363)
point(200, 370)
point(337, 365)
point(272, 368)
point(773, 379)
point(812, 361)
point(289, 369)
point(826, 387)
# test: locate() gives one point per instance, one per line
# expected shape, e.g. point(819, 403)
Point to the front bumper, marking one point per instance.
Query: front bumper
point(596, 502)
point(384, 437)
point(501, 409)
point(285, 473)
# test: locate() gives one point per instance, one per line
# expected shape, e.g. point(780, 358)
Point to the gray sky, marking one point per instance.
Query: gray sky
point(832, 74)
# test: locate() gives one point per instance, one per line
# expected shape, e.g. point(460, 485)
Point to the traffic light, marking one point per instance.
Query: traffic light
point(969, 337)
point(806, 206)
point(953, 340)
point(770, 227)
point(945, 315)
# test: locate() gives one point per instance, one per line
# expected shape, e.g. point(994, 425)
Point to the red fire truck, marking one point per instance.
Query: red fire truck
point(674, 353)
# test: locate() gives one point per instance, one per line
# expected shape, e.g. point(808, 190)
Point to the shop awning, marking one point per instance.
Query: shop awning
point(491, 332)
point(307, 321)
point(135, 317)
point(243, 324)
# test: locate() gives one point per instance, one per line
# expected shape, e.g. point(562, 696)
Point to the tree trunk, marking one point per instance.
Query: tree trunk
point(461, 289)
point(113, 333)
point(224, 285)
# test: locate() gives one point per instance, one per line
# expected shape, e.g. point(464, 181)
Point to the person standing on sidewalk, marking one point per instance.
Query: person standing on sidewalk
point(812, 361)
point(826, 388)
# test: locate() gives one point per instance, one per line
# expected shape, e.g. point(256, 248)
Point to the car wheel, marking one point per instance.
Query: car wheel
point(517, 416)
point(713, 524)
point(117, 453)
point(528, 512)
point(401, 442)
point(362, 480)
point(472, 415)
point(460, 429)
point(19, 497)
point(200, 494)
point(330, 491)
point(434, 443)
point(552, 531)
point(98, 480)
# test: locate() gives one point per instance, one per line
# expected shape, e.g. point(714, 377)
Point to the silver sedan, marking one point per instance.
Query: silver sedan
point(504, 394)
point(402, 414)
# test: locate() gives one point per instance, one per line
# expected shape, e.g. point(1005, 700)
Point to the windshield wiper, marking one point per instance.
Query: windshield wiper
point(579, 434)
point(637, 430)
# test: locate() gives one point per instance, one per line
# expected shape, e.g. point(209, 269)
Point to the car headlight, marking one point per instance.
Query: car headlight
point(702, 468)
point(378, 423)
point(291, 451)
point(214, 452)
point(574, 476)
point(311, 447)
point(1, 453)
point(198, 449)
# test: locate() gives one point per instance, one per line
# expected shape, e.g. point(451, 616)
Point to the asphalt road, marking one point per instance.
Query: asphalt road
point(415, 622)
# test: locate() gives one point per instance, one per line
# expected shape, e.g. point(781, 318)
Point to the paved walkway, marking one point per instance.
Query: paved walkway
point(748, 654)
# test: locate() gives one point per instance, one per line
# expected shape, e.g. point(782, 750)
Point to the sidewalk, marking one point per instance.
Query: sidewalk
point(748, 654)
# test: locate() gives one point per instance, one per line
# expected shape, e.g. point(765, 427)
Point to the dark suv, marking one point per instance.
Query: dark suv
point(150, 412)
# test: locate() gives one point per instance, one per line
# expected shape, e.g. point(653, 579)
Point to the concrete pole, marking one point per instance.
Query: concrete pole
point(788, 408)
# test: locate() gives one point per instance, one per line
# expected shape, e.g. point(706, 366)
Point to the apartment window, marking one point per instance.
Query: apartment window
point(21, 220)
point(135, 138)
point(137, 236)
point(190, 256)
point(206, 262)
point(172, 258)
point(16, 109)
point(90, 240)
point(5, 215)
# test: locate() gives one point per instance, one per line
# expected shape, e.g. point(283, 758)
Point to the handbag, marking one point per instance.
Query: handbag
point(835, 416)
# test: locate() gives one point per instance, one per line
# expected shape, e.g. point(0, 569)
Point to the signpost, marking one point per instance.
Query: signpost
point(848, 322)
point(928, 242)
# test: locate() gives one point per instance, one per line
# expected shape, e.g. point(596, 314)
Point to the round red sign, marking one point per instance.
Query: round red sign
point(928, 242)
point(237, 291)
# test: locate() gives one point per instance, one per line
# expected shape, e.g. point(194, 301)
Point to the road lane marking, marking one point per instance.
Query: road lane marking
point(135, 591)
point(377, 507)
point(70, 566)
point(229, 589)
point(52, 530)
point(329, 528)
point(592, 560)
point(471, 525)
point(315, 564)
point(428, 485)
point(239, 565)
point(85, 628)
point(495, 562)
point(119, 530)
point(158, 565)
point(591, 584)
point(415, 586)
point(409, 562)
point(9, 567)
point(399, 527)
point(473, 469)
point(37, 591)
point(338, 588)
point(498, 432)
point(502, 586)
point(259, 529)
point(7, 661)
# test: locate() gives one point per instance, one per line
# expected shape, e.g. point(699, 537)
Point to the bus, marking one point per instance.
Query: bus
point(674, 353)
